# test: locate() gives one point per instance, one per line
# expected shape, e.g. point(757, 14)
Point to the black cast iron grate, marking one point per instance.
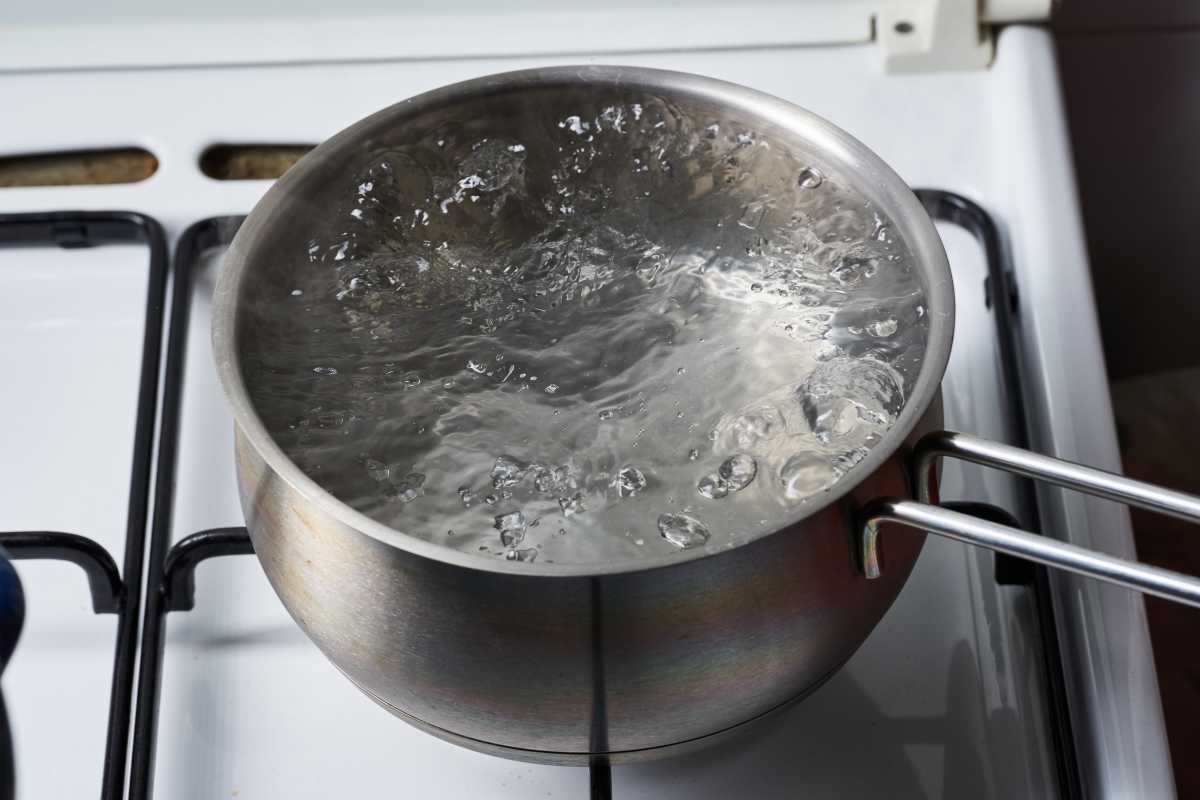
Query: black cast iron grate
point(113, 591)
point(171, 571)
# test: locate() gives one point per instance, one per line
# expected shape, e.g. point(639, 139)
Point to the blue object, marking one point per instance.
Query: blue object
point(12, 617)
point(12, 609)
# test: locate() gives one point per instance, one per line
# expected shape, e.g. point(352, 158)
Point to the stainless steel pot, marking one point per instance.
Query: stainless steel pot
point(557, 662)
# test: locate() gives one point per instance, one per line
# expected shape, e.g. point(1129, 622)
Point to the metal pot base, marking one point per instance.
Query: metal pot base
point(614, 757)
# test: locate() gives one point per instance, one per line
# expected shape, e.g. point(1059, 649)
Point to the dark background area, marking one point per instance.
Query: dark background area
point(1131, 81)
point(1131, 78)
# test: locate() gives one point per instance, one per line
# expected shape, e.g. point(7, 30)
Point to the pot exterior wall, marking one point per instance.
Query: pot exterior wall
point(554, 668)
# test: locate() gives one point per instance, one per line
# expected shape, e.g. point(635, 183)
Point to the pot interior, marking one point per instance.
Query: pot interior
point(595, 316)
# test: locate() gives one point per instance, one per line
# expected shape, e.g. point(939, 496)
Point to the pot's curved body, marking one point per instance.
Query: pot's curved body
point(556, 668)
point(557, 662)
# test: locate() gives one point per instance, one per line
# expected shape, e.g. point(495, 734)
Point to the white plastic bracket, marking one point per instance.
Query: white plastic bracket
point(933, 35)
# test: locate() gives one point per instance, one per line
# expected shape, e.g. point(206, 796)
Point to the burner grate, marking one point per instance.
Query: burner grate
point(171, 571)
point(112, 591)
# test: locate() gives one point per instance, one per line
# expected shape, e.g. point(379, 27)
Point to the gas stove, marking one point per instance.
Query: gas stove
point(987, 678)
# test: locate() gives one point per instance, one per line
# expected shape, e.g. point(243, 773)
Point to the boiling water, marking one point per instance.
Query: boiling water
point(620, 332)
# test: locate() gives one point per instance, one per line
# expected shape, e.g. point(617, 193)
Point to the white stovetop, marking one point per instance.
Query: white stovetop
point(941, 701)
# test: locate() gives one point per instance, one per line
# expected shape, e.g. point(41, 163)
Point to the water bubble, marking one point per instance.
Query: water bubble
point(606, 413)
point(738, 471)
point(297, 292)
point(407, 488)
point(490, 499)
point(330, 419)
point(571, 505)
point(850, 396)
point(682, 530)
point(807, 474)
point(466, 496)
point(325, 370)
point(845, 461)
point(551, 388)
point(712, 487)
point(411, 380)
point(852, 271)
point(753, 426)
point(575, 124)
point(526, 555)
point(681, 371)
point(756, 287)
point(377, 469)
point(511, 526)
point(630, 481)
point(507, 471)
point(883, 327)
point(810, 178)
point(693, 454)
point(549, 480)
point(880, 232)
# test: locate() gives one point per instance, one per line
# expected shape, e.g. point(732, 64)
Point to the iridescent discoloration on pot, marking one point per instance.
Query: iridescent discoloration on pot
point(509, 662)
point(554, 662)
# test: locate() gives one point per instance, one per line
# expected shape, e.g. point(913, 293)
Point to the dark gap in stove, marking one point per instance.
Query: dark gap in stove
point(78, 167)
point(1009, 570)
point(250, 162)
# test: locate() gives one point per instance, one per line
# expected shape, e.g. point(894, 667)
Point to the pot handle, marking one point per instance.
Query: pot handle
point(972, 530)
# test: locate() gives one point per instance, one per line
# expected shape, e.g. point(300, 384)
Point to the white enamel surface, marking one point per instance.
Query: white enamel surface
point(941, 701)
point(70, 34)
point(1114, 689)
point(70, 355)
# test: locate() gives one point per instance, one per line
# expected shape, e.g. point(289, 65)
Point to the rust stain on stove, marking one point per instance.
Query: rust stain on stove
point(77, 167)
point(249, 162)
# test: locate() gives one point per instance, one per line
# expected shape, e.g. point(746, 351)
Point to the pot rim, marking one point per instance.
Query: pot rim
point(876, 180)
